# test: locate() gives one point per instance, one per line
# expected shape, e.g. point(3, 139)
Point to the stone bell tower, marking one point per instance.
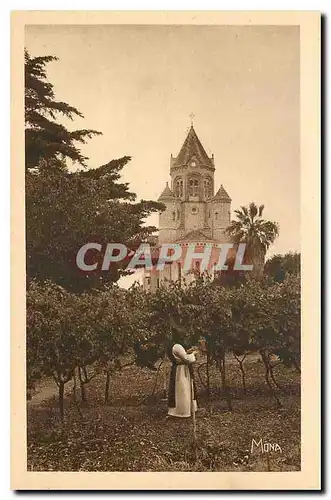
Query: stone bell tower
point(194, 214)
point(191, 201)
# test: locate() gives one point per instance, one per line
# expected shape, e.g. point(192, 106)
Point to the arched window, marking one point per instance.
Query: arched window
point(179, 188)
point(216, 215)
point(178, 214)
point(194, 187)
point(207, 187)
point(173, 215)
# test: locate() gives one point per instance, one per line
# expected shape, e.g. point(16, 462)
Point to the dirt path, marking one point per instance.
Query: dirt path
point(46, 390)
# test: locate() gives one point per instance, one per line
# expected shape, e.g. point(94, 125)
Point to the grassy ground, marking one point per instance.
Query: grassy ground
point(132, 433)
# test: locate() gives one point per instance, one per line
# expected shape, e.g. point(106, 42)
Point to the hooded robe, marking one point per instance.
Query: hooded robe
point(181, 380)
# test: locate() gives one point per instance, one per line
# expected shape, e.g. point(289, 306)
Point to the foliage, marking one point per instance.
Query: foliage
point(67, 330)
point(64, 211)
point(288, 321)
point(45, 137)
point(256, 232)
point(278, 266)
point(55, 344)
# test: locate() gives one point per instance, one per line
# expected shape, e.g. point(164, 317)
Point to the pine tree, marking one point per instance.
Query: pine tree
point(67, 209)
point(45, 138)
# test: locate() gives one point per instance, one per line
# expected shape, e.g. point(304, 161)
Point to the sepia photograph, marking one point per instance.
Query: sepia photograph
point(163, 238)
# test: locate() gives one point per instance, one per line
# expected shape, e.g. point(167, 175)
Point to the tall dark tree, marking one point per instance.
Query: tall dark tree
point(278, 266)
point(45, 137)
point(66, 209)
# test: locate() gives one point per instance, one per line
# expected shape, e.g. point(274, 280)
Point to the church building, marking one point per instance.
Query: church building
point(196, 213)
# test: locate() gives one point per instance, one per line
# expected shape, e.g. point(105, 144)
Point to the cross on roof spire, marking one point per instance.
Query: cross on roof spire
point(192, 116)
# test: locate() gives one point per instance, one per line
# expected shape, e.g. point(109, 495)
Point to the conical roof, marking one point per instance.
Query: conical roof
point(166, 194)
point(222, 194)
point(192, 148)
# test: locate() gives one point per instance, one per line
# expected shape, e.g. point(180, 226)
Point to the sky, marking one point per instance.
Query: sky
point(139, 84)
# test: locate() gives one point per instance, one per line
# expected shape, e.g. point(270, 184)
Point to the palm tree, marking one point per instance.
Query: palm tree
point(256, 232)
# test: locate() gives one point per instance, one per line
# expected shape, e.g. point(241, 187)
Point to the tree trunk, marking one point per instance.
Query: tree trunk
point(208, 375)
point(75, 386)
point(257, 259)
point(273, 378)
point(61, 399)
point(83, 391)
point(107, 386)
point(75, 395)
point(243, 377)
point(156, 379)
point(267, 373)
point(165, 376)
point(218, 367)
point(195, 447)
point(82, 385)
point(243, 374)
point(224, 384)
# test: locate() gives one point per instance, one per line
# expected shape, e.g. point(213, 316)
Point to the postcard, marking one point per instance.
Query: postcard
point(165, 218)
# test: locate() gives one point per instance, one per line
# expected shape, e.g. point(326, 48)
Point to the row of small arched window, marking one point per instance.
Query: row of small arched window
point(194, 187)
point(176, 215)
